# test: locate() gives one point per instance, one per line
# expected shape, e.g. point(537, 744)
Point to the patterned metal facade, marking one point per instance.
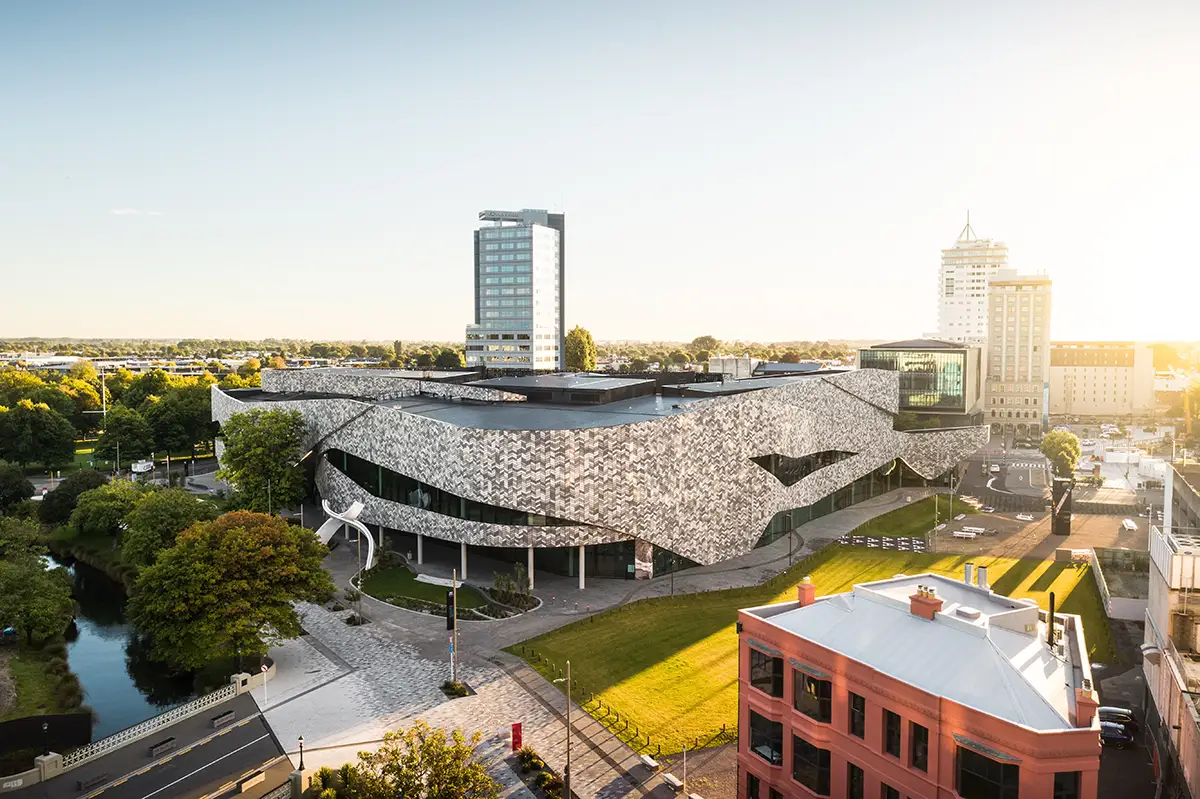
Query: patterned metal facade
point(684, 482)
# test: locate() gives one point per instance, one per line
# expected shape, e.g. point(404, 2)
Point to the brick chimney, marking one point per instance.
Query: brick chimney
point(806, 592)
point(925, 602)
point(1086, 703)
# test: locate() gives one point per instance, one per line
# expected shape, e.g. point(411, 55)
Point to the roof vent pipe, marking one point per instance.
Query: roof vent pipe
point(969, 574)
point(982, 577)
point(1050, 622)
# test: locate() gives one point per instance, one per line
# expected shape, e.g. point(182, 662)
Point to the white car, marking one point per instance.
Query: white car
point(1024, 517)
point(995, 468)
point(988, 509)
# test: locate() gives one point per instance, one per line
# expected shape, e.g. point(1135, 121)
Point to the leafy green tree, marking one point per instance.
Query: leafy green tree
point(34, 600)
point(17, 384)
point(448, 359)
point(102, 511)
point(1062, 449)
point(85, 371)
point(910, 420)
point(580, 350)
point(263, 449)
point(679, 357)
point(424, 360)
point(157, 519)
point(58, 505)
point(250, 367)
point(276, 362)
point(14, 487)
point(702, 356)
point(790, 356)
point(421, 761)
point(226, 588)
point(32, 433)
point(126, 427)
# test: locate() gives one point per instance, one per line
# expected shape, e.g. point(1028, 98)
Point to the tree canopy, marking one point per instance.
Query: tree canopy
point(580, 350)
point(263, 449)
point(58, 505)
point(1062, 449)
point(34, 600)
point(102, 510)
point(448, 359)
point(33, 433)
point(126, 428)
point(226, 588)
point(14, 487)
point(155, 521)
point(421, 761)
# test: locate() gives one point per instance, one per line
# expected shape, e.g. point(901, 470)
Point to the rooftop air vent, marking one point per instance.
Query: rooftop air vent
point(965, 612)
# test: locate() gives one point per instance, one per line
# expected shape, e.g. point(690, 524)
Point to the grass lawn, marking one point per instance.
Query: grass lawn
point(35, 687)
point(669, 665)
point(914, 520)
point(383, 582)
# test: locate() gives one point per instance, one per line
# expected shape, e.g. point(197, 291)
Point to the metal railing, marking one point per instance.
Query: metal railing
point(118, 739)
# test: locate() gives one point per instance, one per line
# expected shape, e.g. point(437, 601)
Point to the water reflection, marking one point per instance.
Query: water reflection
point(122, 685)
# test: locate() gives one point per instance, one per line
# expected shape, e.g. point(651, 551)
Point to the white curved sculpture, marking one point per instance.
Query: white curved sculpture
point(337, 521)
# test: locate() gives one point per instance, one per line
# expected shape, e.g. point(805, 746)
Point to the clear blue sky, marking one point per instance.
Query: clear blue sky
point(765, 171)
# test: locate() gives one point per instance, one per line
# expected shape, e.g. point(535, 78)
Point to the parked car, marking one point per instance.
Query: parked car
point(988, 509)
point(1112, 734)
point(995, 468)
point(1120, 715)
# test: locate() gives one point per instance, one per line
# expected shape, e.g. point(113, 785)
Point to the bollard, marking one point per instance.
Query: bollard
point(659, 752)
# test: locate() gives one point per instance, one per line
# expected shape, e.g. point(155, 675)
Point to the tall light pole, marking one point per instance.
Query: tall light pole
point(567, 770)
point(301, 739)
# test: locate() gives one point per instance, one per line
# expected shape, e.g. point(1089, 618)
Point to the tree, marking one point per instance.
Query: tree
point(1062, 449)
point(702, 356)
point(34, 600)
point(448, 359)
point(276, 362)
point(679, 357)
point(790, 356)
point(14, 487)
point(127, 428)
point(422, 761)
point(85, 371)
point(580, 350)
point(262, 453)
point(155, 382)
point(226, 588)
point(250, 367)
point(424, 360)
point(32, 433)
point(102, 511)
point(157, 519)
point(58, 505)
point(638, 365)
point(706, 343)
point(910, 420)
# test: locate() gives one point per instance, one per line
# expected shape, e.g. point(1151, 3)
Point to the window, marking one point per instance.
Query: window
point(766, 738)
point(918, 744)
point(888, 792)
point(1066, 785)
point(810, 766)
point(891, 733)
point(854, 782)
point(812, 697)
point(766, 673)
point(751, 786)
point(858, 715)
point(775, 794)
point(979, 777)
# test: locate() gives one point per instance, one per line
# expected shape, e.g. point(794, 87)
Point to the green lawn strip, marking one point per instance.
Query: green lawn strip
point(383, 582)
point(669, 665)
point(34, 685)
point(913, 520)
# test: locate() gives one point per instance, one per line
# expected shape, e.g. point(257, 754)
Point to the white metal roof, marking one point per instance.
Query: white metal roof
point(996, 662)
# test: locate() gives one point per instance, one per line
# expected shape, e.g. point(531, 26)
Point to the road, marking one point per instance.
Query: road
point(203, 761)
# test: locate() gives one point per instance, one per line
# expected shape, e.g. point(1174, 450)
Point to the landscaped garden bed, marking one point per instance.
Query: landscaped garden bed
point(393, 582)
point(537, 776)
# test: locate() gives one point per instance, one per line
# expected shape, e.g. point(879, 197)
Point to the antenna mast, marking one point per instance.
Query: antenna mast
point(967, 234)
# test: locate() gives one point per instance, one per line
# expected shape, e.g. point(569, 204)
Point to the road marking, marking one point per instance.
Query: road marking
point(206, 765)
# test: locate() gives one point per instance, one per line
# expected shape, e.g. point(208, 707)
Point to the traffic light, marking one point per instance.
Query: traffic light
point(450, 609)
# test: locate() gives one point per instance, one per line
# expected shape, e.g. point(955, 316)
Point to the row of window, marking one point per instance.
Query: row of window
point(492, 281)
point(507, 233)
point(519, 256)
point(508, 245)
point(506, 268)
point(518, 291)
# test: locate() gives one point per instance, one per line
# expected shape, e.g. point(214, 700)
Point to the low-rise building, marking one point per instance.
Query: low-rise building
point(938, 379)
point(915, 686)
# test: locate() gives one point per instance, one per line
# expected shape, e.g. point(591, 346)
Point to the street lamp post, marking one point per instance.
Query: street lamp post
point(301, 739)
point(567, 770)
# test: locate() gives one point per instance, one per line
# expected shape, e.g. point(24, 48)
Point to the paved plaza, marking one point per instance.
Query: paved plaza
point(342, 687)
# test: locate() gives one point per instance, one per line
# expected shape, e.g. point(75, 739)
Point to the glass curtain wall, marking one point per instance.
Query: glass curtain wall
point(929, 381)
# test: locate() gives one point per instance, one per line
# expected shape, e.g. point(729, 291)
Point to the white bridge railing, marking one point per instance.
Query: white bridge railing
point(118, 739)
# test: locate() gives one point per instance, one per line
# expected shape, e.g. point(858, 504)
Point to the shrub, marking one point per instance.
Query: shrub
point(328, 793)
point(56, 650)
point(57, 666)
point(351, 595)
point(455, 688)
point(543, 779)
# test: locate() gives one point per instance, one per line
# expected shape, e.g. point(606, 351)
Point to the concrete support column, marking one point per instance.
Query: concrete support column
point(462, 574)
point(581, 562)
point(530, 567)
point(420, 549)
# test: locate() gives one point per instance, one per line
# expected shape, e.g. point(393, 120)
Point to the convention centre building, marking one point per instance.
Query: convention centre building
point(600, 476)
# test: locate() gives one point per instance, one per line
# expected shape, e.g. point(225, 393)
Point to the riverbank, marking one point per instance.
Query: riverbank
point(99, 552)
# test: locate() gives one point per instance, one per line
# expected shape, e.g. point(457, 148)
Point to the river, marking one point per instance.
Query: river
point(121, 684)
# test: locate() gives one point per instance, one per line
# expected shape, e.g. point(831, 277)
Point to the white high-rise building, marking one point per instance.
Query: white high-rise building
point(519, 271)
point(963, 286)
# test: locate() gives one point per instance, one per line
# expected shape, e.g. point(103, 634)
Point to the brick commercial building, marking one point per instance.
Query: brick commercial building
point(917, 686)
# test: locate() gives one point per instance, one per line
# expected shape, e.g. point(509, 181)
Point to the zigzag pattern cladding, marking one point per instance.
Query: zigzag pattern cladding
point(365, 383)
point(684, 482)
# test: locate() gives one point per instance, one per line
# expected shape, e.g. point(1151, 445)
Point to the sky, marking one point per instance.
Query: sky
point(757, 171)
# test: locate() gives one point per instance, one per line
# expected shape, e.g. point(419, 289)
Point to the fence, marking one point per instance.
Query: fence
point(282, 792)
point(105, 745)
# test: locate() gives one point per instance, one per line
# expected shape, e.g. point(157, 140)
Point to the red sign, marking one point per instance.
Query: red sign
point(516, 736)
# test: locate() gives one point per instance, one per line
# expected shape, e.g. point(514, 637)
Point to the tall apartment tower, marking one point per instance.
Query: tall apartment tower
point(1018, 354)
point(520, 258)
point(963, 284)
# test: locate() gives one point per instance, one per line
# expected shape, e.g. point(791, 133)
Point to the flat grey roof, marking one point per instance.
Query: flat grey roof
point(920, 344)
point(541, 415)
point(563, 381)
point(752, 383)
point(405, 374)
